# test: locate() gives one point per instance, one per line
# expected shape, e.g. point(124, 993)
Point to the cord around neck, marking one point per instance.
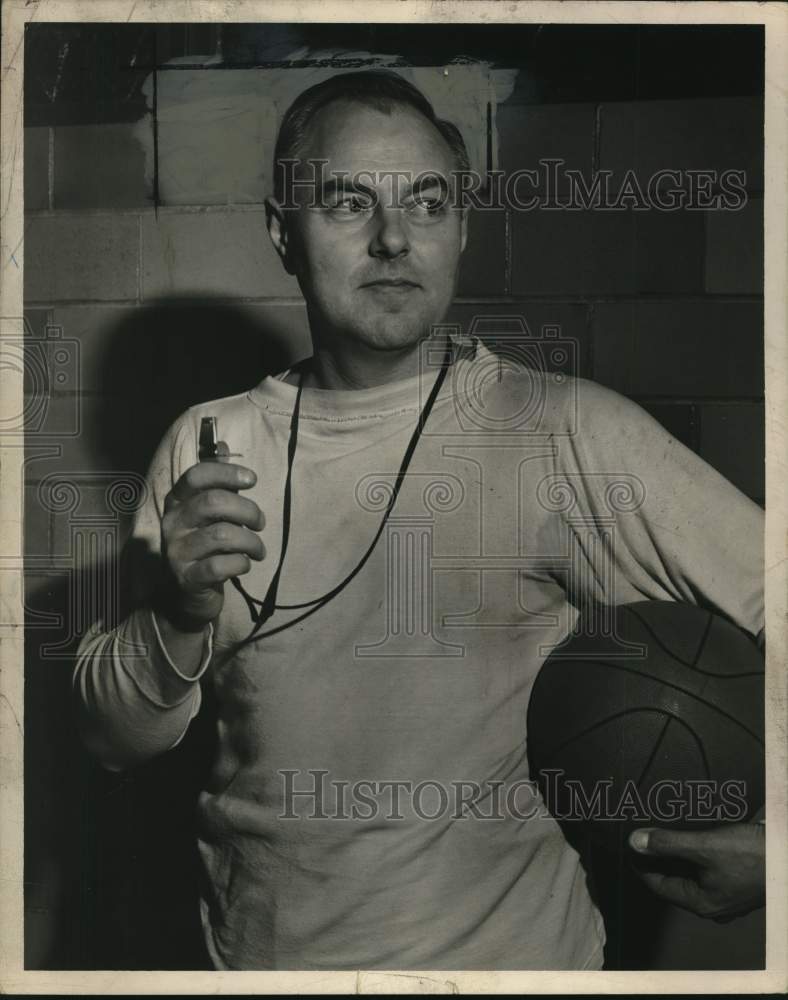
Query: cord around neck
point(261, 611)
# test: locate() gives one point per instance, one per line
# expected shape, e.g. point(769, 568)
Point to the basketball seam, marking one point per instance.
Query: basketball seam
point(676, 687)
point(693, 665)
point(702, 643)
point(661, 644)
point(618, 715)
point(653, 754)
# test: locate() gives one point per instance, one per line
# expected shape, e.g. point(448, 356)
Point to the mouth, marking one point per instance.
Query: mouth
point(394, 284)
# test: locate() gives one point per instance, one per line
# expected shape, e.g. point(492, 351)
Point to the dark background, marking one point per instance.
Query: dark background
point(170, 303)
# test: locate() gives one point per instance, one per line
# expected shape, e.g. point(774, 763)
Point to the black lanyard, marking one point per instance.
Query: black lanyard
point(261, 611)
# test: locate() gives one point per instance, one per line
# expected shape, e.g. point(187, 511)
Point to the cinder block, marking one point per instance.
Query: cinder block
point(94, 327)
point(70, 257)
point(50, 407)
point(144, 366)
point(733, 441)
point(216, 133)
point(45, 595)
point(217, 126)
point(66, 439)
point(101, 166)
point(670, 252)
point(36, 168)
point(114, 435)
point(203, 254)
point(483, 263)
point(36, 321)
point(35, 526)
point(573, 253)
point(528, 133)
point(494, 320)
point(734, 250)
point(696, 134)
point(282, 330)
point(93, 513)
point(599, 252)
point(117, 434)
point(32, 358)
point(81, 585)
point(173, 349)
point(682, 349)
point(679, 419)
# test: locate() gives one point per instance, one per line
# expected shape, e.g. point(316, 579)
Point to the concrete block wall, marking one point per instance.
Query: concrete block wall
point(665, 308)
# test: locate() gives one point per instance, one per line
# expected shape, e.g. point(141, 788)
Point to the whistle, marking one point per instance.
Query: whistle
point(208, 446)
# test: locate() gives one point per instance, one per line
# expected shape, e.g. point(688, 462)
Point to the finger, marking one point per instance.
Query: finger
point(675, 889)
point(212, 475)
point(690, 845)
point(216, 569)
point(223, 452)
point(211, 506)
point(220, 538)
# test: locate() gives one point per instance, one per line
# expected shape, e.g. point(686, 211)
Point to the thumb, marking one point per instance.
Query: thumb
point(689, 845)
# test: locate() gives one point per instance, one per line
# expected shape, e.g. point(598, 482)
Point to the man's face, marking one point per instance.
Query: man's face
point(376, 261)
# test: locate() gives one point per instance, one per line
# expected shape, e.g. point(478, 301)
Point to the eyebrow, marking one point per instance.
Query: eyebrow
point(343, 184)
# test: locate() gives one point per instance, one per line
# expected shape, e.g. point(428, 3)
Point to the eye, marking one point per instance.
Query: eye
point(351, 204)
point(429, 204)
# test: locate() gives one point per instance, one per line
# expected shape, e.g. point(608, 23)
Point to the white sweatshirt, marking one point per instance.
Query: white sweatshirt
point(420, 670)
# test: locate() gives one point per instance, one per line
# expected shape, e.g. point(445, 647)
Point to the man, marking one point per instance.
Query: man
point(345, 662)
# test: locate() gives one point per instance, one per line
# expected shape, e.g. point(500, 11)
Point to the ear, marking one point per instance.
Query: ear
point(466, 211)
point(276, 221)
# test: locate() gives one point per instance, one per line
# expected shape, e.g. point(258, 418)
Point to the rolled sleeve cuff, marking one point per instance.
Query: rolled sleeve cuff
point(146, 660)
point(207, 652)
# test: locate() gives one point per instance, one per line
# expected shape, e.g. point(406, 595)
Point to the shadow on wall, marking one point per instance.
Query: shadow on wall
point(161, 359)
point(110, 859)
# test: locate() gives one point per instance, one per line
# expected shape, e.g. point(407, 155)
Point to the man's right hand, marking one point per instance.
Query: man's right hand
point(209, 534)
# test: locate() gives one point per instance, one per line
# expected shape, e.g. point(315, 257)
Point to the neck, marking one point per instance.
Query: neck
point(361, 368)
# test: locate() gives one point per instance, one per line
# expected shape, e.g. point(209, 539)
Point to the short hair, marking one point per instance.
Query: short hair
point(376, 88)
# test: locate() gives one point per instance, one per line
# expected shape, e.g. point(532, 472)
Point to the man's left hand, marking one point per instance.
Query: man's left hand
point(723, 871)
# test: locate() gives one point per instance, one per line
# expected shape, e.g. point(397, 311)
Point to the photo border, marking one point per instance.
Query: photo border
point(774, 16)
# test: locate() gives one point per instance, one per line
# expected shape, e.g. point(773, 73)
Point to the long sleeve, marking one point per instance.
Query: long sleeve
point(654, 521)
point(133, 703)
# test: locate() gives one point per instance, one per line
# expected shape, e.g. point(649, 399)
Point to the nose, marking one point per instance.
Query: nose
point(390, 237)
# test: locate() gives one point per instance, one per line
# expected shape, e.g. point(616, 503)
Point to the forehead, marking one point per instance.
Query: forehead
point(355, 137)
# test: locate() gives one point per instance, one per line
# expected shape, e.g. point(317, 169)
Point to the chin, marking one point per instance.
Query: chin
point(388, 339)
point(391, 333)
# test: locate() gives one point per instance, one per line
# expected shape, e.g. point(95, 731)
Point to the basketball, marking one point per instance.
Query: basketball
point(656, 722)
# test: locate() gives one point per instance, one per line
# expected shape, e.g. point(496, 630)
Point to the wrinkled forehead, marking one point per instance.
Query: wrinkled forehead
point(355, 138)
